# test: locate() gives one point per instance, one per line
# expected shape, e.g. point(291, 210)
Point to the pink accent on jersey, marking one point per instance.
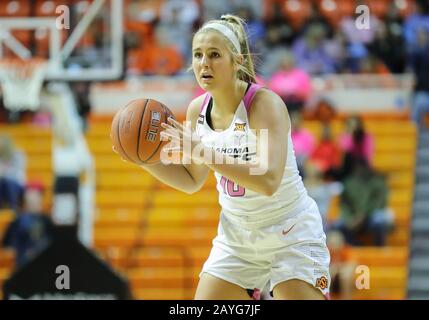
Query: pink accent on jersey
point(248, 97)
point(206, 100)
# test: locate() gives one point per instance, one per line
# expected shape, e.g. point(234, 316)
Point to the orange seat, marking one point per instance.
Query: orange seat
point(5, 273)
point(180, 237)
point(100, 145)
point(7, 258)
point(158, 257)
point(6, 217)
point(159, 294)
point(107, 180)
point(394, 161)
point(47, 8)
point(34, 146)
point(380, 294)
point(297, 12)
point(384, 144)
point(118, 217)
point(400, 237)
point(116, 236)
point(15, 8)
point(381, 256)
point(149, 277)
point(173, 198)
point(379, 8)
point(120, 199)
point(114, 163)
point(155, 60)
point(197, 255)
point(175, 217)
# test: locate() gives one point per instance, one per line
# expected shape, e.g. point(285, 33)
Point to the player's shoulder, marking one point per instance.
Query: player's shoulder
point(265, 100)
point(196, 104)
point(265, 96)
point(194, 107)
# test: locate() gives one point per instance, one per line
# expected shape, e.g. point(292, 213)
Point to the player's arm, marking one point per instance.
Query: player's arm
point(188, 178)
point(267, 112)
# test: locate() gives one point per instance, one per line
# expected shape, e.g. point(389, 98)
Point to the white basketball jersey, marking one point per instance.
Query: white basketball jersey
point(240, 205)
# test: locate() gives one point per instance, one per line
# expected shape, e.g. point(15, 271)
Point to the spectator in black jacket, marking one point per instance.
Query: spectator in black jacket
point(31, 231)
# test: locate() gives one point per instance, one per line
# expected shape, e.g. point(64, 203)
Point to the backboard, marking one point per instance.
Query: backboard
point(82, 39)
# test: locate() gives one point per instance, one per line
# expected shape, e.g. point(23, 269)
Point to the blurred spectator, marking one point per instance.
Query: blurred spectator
point(356, 141)
point(317, 18)
point(303, 141)
point(327, 154)
point(359, 36)
point(214, 9)
point(417, 21)
point(292, 84)
point(255, 29)
point(355, 144)
point(279, 34)
point(355, 53)
point(320, 190)
point(419, 60)
point(161, 58)
point(388, 44)
point(371, 64)
point(12, 173)
point(363, 205)
point(357, 39)
point(31, 230)
point(311, 51)
point(179, 18)
point(322, 107)
point(145, 11)
point(336, 48)
point(342, 266)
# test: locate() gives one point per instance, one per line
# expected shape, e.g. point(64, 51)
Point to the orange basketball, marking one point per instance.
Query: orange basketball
point(136, 128)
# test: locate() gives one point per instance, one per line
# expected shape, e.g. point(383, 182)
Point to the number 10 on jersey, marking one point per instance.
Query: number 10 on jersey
point(232, 189)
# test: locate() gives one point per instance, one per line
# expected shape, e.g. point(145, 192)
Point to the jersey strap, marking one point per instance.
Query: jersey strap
point(206, 101)
point(249, 95)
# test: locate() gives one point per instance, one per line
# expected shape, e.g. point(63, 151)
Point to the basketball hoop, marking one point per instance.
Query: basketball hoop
point(21, 82)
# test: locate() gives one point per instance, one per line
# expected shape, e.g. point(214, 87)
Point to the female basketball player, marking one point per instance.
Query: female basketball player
point(270, 230)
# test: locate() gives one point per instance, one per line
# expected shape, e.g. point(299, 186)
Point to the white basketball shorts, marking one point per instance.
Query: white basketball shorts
point(294, 248)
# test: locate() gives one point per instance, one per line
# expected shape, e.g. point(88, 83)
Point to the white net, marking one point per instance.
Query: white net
point(21, 82)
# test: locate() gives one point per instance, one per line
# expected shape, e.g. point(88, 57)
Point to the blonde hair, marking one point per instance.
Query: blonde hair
point(236, 24)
